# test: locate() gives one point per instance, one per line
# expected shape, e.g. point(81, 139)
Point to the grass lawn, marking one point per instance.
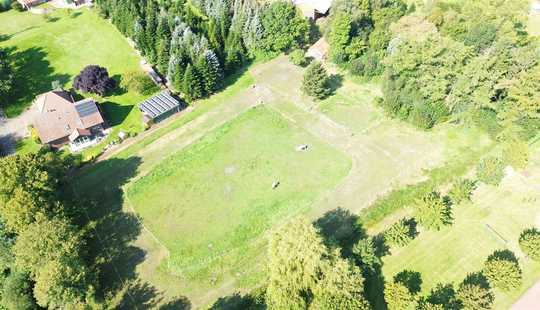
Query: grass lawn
point(447, 256)
point(57, 49)
point(210, 203)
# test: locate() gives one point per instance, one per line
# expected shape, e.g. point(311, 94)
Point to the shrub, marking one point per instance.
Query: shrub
point(298, 58)
point(530, 127)
point(461, 191)
point(529, 242)
point(316, 82)
point(426, 115)
point(368, 65)
point(490, 171)
point(17, 6)
point(400, 233)
point(5, 5)
point(502, 270)
point(516, 153)
point(432, 211)
point(139, 83)
point(486, 120)
point(397, 296)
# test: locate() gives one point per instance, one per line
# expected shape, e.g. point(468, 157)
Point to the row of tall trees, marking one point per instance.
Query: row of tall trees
point(43, 258)
point(196, 43)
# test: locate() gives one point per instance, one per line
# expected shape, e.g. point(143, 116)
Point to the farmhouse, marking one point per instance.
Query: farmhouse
point(159, 107)
point(60, 120)
point(313, 8)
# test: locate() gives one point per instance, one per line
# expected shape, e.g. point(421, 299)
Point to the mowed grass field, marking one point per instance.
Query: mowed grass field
point(210, 203)
point(58, 48)
point(492, 221)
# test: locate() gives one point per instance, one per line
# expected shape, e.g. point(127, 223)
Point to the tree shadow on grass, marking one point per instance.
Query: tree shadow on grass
point(116, 113)
point(445, 295)
point(181, 303)
point(118, 89)
point(477, 278)
point(411, 279)
point(503, 255)
point(75, 14)
point(33, 76)
point(112, 253)
point(236, 301)
point(335, 81)
point(340, 227)
point(4, 37)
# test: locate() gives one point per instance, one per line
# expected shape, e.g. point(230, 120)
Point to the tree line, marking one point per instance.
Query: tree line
point(196, 43)
point(44, 259)
point(467, 61)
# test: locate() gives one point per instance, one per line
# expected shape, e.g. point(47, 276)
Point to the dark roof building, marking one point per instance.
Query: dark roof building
point(159, 107)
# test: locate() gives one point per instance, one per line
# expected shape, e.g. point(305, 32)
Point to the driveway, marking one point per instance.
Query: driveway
point(13, 129)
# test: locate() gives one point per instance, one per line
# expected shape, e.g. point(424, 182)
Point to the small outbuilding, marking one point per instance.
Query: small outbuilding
point(313, 8)
point(319, 50)
point(28, 4)
point(159, 107)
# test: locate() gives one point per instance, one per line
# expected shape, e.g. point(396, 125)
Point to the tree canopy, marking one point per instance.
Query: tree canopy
point(304, 274)
point(94, 79)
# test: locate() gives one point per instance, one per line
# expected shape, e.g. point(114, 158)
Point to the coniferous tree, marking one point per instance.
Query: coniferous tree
point(150, 31)
point(432, 211)
point(163, 55)
point(316, 81)
point(192, 87)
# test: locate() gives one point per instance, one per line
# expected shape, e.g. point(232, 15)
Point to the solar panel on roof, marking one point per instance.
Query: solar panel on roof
point(159, 104)
point(86, 108)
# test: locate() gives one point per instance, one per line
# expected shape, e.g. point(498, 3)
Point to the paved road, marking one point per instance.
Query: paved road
point(13, 129)
point(530, 300)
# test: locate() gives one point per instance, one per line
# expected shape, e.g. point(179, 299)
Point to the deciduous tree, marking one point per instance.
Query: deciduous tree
point(529, 242)
point(502, 270)
point(94, 79)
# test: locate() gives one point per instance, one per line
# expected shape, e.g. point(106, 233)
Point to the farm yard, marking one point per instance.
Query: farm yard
point(195, 190)
point(56, 47)
point(368, 155)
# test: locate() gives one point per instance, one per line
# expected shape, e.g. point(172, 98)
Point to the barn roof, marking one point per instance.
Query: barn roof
point(159, 104)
